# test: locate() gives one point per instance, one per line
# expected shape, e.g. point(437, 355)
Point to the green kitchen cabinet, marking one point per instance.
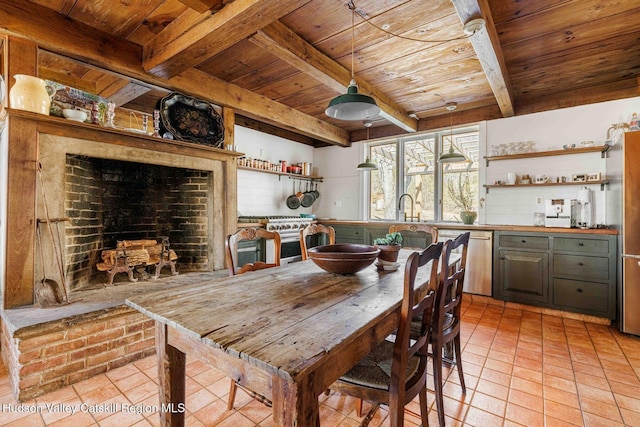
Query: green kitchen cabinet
point(374, 232)
point(521, 267)
point(564, 271)
point(523, 276)
point(584, 274)
point(349, 233)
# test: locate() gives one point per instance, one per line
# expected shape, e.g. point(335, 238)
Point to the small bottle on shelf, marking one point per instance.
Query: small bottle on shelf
point(634, 124)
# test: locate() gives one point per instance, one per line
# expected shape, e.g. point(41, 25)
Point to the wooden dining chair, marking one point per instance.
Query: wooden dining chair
point(311, 230)
point(395, 372)
point(415, 228)
point(231, 246)
point(231, 249)
point(447, 314)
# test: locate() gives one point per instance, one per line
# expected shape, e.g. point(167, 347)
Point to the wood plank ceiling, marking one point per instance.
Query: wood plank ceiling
point(280, 63)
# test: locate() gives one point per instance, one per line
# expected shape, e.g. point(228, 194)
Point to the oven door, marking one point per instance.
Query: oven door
point(290, 249)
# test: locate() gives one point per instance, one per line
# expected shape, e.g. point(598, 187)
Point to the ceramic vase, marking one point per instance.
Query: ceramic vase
point(29, 93)
point(468, 217)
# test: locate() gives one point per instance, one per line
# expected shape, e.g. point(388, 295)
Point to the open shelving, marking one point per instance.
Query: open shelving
point(602, 149)
point(301, 177)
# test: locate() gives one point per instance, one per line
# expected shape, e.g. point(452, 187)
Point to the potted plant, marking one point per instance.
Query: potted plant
point(389, 246)
point(462, 196)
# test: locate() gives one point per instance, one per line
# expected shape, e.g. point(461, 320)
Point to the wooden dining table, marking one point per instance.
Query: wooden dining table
point(286, 332)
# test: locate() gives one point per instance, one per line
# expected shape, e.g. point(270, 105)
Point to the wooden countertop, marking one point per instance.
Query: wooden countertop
point(487, 227)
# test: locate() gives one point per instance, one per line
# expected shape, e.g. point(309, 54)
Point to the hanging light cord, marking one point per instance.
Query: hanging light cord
point(353, 36)
point(353, 7)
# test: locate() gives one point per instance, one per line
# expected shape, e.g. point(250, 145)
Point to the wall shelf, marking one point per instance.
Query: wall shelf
point(281, 174)
point(602, 149)
point(601, 183)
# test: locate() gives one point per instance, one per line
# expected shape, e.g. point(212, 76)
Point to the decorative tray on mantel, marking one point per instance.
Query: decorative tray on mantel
point(191, 119)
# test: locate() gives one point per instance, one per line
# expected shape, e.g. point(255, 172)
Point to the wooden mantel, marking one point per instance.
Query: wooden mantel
point(22, 134)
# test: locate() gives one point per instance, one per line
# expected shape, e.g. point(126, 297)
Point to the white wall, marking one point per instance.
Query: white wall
point(549, 130)
point(341, 191)
point(262, 193)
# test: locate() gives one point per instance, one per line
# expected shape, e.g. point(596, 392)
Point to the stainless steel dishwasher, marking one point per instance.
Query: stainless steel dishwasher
point(478, 276)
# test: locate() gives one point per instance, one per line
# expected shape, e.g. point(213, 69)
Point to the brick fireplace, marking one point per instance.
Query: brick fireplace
point(44, 349)
point(110, 193)
point(110, 200)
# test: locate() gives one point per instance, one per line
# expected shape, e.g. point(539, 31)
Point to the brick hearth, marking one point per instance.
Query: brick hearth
point(45, 357)
point(46, 349)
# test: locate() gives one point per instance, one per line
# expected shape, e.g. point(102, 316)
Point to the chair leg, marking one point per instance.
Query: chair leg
point(232, 395)
point(359, 408)
point(366, 420)
point(456, 345)
point(437, 382)
point(424, 409)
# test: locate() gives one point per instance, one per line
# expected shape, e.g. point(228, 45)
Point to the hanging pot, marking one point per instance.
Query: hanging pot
point(307, 198)
point(316, 193)
point(293, 201)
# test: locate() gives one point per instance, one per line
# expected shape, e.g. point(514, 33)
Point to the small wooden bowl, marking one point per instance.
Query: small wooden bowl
point(343, 258)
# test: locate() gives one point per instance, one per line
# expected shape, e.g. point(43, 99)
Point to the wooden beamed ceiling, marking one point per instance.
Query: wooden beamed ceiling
point(278, 64)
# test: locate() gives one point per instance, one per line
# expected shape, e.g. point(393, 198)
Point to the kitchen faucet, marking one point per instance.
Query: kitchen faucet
point(400, 206)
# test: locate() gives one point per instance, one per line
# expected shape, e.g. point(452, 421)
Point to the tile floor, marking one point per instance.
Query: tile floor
point(521, 368)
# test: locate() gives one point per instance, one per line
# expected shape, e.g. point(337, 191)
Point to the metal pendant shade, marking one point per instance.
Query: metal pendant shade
point(368, 165)
point(352, 105)
point(452, 156)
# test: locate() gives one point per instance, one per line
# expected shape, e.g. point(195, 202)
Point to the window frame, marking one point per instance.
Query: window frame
point(438, 137)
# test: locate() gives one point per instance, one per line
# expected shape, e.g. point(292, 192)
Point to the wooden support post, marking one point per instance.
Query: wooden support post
point(22, 140)
point(171, 379)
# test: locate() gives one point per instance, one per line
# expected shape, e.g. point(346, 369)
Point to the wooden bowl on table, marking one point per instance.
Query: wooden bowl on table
point(343, 258)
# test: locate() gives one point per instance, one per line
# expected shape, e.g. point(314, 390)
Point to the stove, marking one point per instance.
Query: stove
point(289, 228)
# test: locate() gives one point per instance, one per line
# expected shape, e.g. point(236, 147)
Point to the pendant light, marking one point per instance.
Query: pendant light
point(367, 165)
point(452, 156)
point(352, 105)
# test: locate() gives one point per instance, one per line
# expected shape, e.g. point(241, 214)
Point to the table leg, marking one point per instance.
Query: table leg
point(171, 380)
point(294, 405)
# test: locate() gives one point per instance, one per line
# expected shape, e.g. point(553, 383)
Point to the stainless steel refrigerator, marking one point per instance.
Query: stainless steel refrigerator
point(623, 213)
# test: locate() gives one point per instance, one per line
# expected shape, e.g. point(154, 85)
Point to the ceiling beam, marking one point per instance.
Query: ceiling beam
point(487, 47)
point(62, 35)
point(57, 76)
point(297, 52)
point(205, 5)
point(120, 95)
point(194, 37)
point(444, 121)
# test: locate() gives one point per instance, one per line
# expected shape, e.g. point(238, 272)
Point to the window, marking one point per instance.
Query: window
point(410, 184)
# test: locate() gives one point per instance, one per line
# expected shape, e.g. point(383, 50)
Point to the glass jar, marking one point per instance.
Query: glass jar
point(538, 219)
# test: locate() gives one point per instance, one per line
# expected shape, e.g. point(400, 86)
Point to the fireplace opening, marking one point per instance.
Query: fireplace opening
point(112, 200)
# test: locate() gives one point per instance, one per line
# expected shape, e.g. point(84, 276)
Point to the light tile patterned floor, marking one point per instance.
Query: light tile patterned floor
point(521, 368)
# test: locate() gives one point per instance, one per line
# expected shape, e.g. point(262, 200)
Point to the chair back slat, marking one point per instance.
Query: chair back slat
point(449, 296)
point(418, 305)
point(231, 249)
point(312, 229)
point(416, 228)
